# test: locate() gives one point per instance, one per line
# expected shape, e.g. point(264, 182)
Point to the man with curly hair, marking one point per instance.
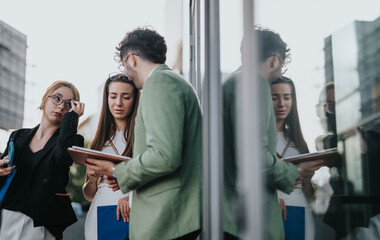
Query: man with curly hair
point(165, 172)
point(279, 175)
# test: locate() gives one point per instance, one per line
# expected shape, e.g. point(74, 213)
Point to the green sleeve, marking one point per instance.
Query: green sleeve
point(279, 174)
point(162, 113)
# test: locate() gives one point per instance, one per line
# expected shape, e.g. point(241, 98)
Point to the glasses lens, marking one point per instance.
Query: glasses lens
point(68, 105)
point(57, 99)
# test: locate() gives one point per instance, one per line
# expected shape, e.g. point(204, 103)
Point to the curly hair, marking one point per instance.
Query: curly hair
point(270, 44)
point(144, 42)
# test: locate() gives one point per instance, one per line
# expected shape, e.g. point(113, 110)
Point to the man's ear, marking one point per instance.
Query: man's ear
point(274, 61)
point(133, 60)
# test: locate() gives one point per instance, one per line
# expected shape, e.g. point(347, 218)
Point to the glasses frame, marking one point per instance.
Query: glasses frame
point(121, 67)
point(284, 69)
point(67, 102)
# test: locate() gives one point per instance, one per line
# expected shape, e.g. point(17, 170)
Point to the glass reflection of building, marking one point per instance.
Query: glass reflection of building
point(12, 76)
point(352, 62)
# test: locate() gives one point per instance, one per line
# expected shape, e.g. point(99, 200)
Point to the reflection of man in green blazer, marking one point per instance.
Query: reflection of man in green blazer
point(279, 175)
point(165, 171)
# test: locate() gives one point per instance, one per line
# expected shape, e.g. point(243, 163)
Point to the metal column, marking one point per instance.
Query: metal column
point(212, 128)
point(195, 46)
point(248, 144)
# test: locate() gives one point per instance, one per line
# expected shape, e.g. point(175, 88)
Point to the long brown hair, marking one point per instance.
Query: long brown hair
point(291, 127)
point(107, 126)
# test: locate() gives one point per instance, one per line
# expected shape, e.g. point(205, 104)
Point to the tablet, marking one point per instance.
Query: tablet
point(330, 156)
point(80, 155)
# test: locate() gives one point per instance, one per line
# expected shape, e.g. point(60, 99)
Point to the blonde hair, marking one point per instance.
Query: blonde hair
point(58, 84)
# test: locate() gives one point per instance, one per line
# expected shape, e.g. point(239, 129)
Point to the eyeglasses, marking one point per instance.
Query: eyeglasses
point(330, 107)
point(284, 70)
point(121, 67)
point(118, 76)
point(132, 54)
point(325, 107)
point(57, 99)
point(283, 67)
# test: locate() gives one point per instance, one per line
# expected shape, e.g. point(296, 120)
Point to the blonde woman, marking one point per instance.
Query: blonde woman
point(36, 205)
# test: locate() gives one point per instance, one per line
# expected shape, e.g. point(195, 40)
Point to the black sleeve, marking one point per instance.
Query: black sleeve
point(68, 137)
point(2, 178)
point(13, 134)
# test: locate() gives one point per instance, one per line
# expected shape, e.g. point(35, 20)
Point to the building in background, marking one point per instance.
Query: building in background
point(12, 76)
point(87, 127)
point(352, 63)
point(12, 80)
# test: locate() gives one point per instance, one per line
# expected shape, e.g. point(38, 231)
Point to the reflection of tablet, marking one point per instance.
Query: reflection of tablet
point(329, 155)
point(80, 155)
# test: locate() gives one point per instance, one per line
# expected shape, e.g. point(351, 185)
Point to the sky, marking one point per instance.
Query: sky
point(75, 41)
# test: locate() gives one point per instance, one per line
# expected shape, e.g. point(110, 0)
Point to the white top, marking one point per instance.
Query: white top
point(120, 144)
point(104, 195)
point(296, 197)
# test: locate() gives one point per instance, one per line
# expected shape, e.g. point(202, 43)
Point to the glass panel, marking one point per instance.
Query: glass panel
point(231, 34)
point(335, 68)
point(353, 160)
point(345, 58)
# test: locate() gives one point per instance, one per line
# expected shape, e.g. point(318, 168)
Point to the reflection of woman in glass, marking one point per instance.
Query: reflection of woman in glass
point(114, 135)
point(297, 215)
point(326, 113)
point(36, 204)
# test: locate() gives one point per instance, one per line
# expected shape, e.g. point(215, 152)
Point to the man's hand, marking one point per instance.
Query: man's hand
point(298, 182)
point(283, 208)
point(100, 166)
point(307, 169)
point(112, 183)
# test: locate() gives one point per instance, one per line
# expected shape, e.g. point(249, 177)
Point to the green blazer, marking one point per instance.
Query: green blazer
point(279, 175)
point(166, 169)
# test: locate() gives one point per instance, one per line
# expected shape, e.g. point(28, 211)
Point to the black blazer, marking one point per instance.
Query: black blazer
point(50, 175)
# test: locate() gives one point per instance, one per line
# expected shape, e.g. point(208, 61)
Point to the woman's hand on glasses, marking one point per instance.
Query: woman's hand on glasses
point(77, 107)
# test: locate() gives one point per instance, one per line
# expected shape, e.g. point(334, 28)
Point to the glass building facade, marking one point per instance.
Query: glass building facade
point(12, 76)
point(352, 64)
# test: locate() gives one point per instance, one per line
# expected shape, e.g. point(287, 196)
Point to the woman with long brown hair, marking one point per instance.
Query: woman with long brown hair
point(113, 135)
point(298, 220)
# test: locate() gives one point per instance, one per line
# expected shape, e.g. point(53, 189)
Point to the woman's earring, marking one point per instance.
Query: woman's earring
point(41, 107)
